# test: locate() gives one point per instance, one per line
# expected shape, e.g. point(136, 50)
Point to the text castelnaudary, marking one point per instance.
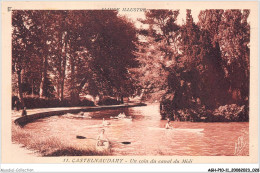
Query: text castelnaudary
point(127, 9)
point(82, 160)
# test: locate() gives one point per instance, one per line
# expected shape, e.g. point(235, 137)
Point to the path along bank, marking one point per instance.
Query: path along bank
point(35, 114)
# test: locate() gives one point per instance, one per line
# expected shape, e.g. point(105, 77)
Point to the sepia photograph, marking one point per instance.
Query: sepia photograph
point(123, 81)
point(94, 82)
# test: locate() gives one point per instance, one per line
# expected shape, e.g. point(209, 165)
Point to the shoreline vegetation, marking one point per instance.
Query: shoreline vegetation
point(22, 121)
point(32, 102)
point(226, 113)
point(50, 146)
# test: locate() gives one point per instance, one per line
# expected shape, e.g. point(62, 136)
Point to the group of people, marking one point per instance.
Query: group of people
point(102, 138)
point(121, 115)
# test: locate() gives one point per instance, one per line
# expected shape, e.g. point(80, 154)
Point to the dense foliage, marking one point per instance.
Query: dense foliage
point(197, 67)
point(196, 70)
point(65, 54)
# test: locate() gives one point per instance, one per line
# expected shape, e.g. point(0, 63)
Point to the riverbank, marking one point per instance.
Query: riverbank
point(34, 114)
point(31, 144)
point(46, 145)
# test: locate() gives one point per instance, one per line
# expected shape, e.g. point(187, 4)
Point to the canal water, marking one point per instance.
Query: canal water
point(146, 133)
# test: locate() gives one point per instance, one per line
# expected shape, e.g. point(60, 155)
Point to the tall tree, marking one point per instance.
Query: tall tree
point(157, 50)
point(109, 41)
point(234, 38)
point(24, 56)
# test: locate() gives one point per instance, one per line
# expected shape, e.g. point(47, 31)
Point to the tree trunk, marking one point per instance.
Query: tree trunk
point(58, 85)
point(20, 90)
point(43, 80)
point(74, 94)
point(58, 90)
point(32, 88)
point(41, 87)
point(62, 87)
point(63, 67)
point(72, 76)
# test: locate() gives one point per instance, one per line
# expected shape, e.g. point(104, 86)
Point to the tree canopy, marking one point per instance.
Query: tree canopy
point(194, 65)
point(68, 53)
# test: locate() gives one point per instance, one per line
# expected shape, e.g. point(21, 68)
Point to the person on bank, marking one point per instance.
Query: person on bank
point(168, 125)
point(16, 105)
point(102, 138)
point(24, 112)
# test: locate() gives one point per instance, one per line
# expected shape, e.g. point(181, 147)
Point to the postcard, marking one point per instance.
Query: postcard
point(130, 82)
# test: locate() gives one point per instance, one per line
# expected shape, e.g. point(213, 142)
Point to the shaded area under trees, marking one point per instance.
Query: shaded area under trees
point(65, 54)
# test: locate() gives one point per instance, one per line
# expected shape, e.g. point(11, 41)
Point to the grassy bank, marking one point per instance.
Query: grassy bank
point(49, 146)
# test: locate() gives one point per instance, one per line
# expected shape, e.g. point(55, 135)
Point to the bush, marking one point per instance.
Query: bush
point(15, 98)
point(226, 113)
point(189, 115)
point(109, 101)
point(86, 102)
point(231, 112)
point(36, 102)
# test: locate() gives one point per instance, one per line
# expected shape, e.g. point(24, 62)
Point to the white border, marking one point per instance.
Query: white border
point(121, 167)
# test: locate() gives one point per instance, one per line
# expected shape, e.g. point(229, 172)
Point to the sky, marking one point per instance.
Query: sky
point(181, 18)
